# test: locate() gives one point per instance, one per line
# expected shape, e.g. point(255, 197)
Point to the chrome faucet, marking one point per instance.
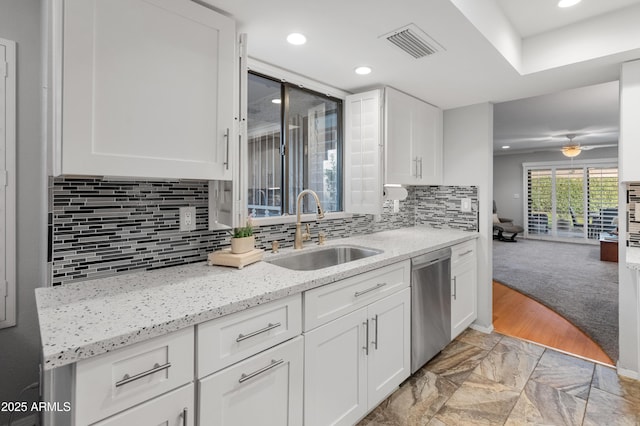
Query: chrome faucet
point(300, 237)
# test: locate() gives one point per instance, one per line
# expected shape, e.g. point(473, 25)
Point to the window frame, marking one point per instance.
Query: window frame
point(289, 81)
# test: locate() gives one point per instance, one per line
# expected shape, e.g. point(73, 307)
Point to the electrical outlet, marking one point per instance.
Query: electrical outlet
point(465, 205)
point(187, 218)
point(396, 206)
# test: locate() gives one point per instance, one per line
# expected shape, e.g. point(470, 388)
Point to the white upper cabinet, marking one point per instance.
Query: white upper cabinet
point(413, 140)
point(395, 140)
point(145, 89)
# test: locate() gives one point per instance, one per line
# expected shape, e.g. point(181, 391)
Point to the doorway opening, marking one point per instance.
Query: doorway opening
point(556, 175)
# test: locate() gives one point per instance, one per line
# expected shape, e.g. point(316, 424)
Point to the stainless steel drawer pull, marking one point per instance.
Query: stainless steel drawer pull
point(185, 412)
point(242, 337)
point(226, 136)
point(128, 379)
point(455, 288)
point(466, 253)
point(366, 338)
point(377, 286)
point(274, 363)
point(375, 343)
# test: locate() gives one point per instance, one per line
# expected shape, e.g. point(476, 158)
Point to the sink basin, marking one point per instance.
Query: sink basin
point(312, 260)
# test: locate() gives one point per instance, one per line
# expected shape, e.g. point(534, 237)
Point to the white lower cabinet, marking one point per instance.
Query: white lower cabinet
point(389, 345)
point(464, 287)
point(116, 381)
point(265, 389)
point(171, 409)
point(352, 363)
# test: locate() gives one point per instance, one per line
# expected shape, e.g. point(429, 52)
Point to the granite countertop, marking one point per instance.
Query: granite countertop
point(85, 319)
point(633, 258)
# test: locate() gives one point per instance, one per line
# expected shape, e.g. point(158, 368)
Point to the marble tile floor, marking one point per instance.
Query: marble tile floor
point(491, 379)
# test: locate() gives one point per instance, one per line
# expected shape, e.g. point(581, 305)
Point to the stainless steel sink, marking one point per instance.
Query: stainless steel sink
point(312, 260)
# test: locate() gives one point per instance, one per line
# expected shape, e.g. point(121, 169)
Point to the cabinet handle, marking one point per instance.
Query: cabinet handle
point(375, 342)
point(377, 286)
point(466, 253)
point(274, 363)
point(185, 412)
point(420, 167)
point(242, 337)
point(128, 379)
point(455, 288)
point(366, 340)
point(415, 160)
point(226, 136)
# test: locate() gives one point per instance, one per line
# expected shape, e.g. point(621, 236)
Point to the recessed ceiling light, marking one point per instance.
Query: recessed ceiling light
point(296, 38)
point(568, 3)
point(363, 70)
point(276, 101)
point(505, 147)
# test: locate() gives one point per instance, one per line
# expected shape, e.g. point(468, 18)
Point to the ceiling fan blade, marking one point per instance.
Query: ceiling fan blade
point(588, 147)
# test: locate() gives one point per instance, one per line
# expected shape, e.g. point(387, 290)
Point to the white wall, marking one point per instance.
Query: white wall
point(20, 345)
point(507, 177)
point(468, 160)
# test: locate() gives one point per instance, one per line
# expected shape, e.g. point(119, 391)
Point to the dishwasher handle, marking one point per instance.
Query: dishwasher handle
point(422, 261)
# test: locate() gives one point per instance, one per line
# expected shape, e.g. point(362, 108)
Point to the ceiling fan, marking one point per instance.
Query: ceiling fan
point(572, 149)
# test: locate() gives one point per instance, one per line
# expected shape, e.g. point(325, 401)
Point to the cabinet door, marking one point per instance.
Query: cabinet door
point(413, 140)
point(429, 144)
point(463, 297)
point(171, 409)
point(401, 158)
point(363, 153)
point(389, 361)
point(147, 89)
point(265, 389)
point(335, 382)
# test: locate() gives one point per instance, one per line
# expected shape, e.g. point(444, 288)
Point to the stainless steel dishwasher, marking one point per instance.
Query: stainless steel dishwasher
point(430, 306)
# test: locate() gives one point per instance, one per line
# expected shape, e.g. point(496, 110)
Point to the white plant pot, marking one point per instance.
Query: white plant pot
point(242, 245)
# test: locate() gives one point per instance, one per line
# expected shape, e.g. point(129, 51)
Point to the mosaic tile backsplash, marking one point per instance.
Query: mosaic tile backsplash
point(633, 214)
point(104, 227)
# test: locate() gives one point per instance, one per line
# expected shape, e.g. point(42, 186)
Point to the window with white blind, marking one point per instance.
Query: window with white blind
point(576, 201)
point(308, 154)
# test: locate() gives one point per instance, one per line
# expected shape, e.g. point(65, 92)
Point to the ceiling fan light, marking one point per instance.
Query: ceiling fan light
point(571, 151)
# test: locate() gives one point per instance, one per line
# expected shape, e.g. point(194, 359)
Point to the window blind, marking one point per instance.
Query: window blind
point(566, 201)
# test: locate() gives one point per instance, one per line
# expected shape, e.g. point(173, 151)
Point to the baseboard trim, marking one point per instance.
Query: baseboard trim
point(32, 420)
point(628, 373)
point(482, 328)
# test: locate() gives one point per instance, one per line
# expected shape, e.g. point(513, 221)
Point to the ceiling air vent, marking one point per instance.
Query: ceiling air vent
point(414, 41)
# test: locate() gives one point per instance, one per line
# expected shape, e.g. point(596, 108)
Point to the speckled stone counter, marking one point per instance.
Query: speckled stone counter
point(633, 258)
point(81, 320)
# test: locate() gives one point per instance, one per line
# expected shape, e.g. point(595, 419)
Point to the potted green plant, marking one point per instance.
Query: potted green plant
point(243, 239)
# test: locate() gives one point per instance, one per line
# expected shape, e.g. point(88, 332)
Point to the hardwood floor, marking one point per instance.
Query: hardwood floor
point(517, 315)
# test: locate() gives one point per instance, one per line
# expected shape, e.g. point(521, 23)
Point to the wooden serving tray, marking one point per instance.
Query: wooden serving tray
point(226, 258)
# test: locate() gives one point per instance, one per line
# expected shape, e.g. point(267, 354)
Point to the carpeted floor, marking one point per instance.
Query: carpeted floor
point(568, 278)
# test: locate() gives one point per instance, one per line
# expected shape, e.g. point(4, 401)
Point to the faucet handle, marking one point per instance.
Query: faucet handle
point(275, 245)
point(322, 237)
point(307, 234)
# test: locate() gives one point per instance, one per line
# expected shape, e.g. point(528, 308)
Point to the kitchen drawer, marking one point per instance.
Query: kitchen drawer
point(175, 408)
point(227, 340)
point(463, 251)
point(264, 390)
point(115, 381)
point(331, 301)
